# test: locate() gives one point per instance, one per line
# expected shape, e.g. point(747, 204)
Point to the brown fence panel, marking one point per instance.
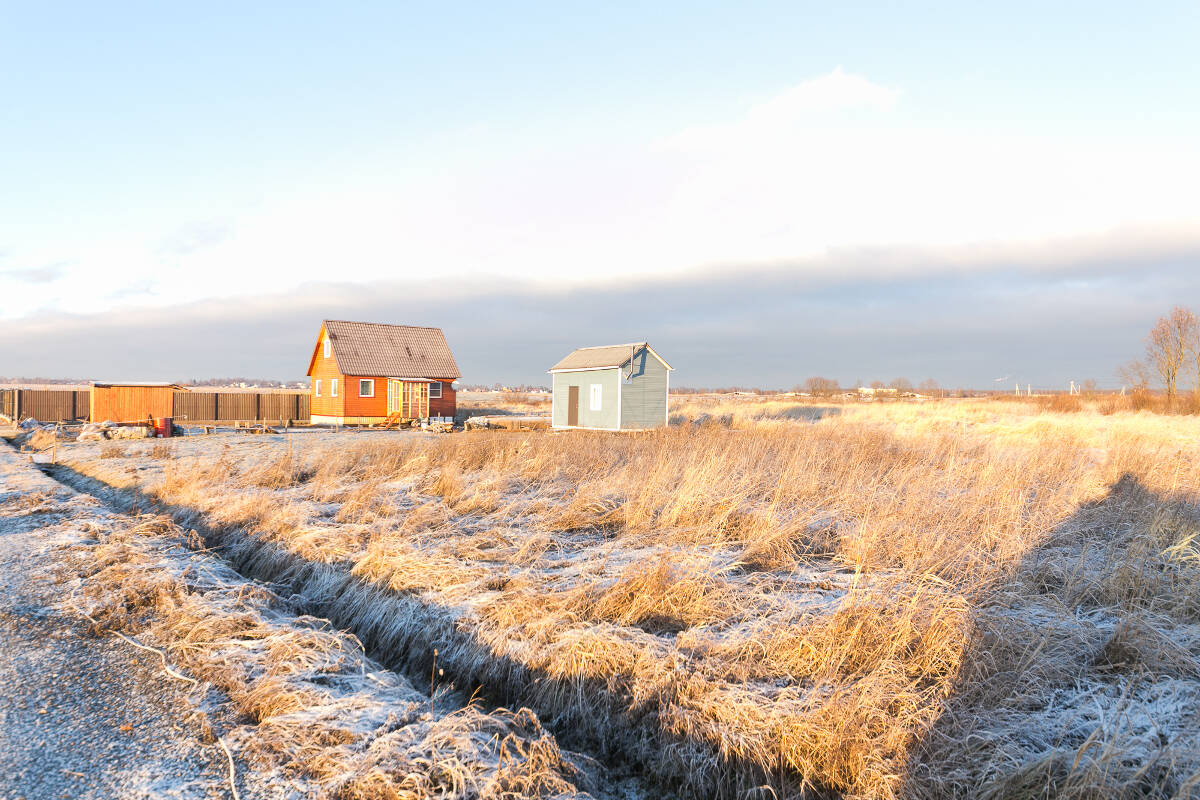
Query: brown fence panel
point(303, 407)
point(83, 404)
point(8, 402)
point(198, 406)
point(47, 405)
point(275, 406)
point(237, 406)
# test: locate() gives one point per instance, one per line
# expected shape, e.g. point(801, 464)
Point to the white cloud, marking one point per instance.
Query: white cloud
point(838, 97)
point(827, 166)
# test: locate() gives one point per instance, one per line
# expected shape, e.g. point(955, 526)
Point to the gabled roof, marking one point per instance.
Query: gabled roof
point(604, 357)
point(390, 351)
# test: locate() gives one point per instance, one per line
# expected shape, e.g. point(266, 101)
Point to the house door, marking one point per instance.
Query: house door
point(573, 405)
point(394, 396)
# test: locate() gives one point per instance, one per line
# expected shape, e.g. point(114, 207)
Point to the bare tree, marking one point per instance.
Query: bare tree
point(928, 386)
point(1137, 373)
point(820, 387)
point(902, 384)
point(1169, 345)
point(1194, 351)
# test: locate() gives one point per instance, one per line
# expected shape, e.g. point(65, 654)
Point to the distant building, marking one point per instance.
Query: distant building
point(615, 387)
point(365, 372)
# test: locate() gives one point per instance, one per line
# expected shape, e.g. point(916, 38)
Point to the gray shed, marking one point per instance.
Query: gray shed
point(615, 387)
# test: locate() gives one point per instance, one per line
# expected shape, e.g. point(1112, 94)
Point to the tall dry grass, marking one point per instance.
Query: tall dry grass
point(318, 707)
point(923, 600)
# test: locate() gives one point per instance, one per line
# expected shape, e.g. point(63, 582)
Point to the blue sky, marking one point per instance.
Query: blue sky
point(156, 156)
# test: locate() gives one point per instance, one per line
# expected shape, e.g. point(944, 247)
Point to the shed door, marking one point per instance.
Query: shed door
point(573, 405)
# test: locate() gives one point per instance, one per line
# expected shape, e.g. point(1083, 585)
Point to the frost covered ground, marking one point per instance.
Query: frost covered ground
point(201, 662)
point(943, 600)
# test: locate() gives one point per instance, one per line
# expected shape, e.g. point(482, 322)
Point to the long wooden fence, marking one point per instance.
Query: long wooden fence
point(240, 406)
point(67, 405)
point(50, 405)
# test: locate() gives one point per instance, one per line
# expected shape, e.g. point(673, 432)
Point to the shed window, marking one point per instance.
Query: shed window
point(333, 387)
point(366, 388)
point(596, 397)
point(435, 390)
point(327, 347)
point(317, 387)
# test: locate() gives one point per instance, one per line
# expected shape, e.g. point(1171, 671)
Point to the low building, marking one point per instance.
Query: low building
point(614, 387)
point(131, 402)
point(365, 372)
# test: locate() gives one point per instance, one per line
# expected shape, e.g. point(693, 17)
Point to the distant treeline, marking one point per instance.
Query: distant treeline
point(220, 382)
point(502, 387)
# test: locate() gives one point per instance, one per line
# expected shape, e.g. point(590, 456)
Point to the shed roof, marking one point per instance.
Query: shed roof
point(604, 357)
point(392, 351)
point(136, 384)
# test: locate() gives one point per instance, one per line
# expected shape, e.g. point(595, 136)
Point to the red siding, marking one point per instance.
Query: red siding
point(447, 406)
point(365, 406)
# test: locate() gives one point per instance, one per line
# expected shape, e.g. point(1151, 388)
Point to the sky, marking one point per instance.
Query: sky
point(765, 191)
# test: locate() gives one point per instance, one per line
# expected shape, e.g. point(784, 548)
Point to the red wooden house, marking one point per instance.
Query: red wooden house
point(365, 372)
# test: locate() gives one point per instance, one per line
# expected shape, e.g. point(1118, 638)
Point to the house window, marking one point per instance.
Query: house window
point(596, 397)
point(435, 390)
point(366, 388)
point(327, 347)
point(317, 387)
point(333, 387)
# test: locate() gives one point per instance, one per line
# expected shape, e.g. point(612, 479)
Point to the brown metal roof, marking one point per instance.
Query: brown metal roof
point(390, 351)
point(613, 355)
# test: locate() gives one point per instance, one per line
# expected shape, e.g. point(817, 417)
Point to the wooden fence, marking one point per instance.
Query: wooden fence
point(45, 405)
point(241, 406)
point(67, 405)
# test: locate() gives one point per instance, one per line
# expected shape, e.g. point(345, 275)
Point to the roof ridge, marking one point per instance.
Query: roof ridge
point(385, 324)
point(602, 346)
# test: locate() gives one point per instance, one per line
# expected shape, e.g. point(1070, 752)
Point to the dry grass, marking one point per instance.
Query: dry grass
point(319, 708)
point(874, 600)
point(112, 450)
point(42, 439)
point(489, 403)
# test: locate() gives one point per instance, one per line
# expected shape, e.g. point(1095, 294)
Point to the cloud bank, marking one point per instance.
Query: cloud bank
point(1044, 314)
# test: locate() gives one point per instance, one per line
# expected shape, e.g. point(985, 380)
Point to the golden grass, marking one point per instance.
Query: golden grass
point(877, 600)
point(319, 707)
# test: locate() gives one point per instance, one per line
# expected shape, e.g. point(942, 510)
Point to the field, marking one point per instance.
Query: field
point(771, 598)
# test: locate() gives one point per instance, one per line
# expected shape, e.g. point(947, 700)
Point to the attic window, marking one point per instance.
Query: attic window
point(327, 347)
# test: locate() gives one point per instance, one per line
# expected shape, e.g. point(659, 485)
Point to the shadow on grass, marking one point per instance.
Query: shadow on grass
point(407, 633)
point(1059, 640)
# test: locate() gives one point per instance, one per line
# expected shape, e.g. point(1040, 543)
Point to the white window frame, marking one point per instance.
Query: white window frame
point(435, 390)
point(327, 347)
point(371, 392)
point(317, 388)
point(596, 397)
point(333, 387)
